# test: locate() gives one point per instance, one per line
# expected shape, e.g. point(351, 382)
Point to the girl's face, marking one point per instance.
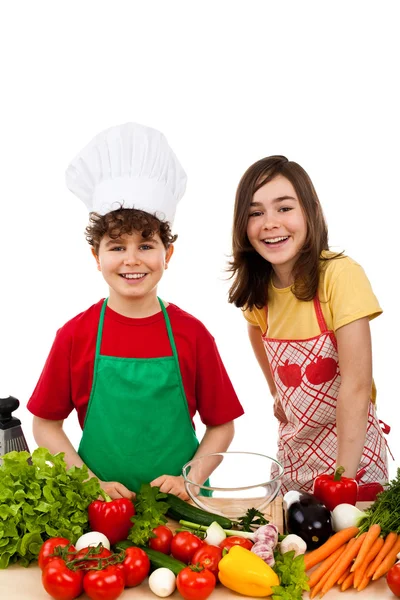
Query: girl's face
point(132, 266)
point(277, 226)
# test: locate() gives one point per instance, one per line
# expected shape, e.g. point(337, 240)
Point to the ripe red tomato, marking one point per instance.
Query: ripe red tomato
point(184, 544)
point(90, 563)
point(194, 584)
point(162, 541)
point(208, 556)
point(107, 584)
point(60, 582)
point(136, 566)
point(393, 579)
point(236, 540)
point(48, 548)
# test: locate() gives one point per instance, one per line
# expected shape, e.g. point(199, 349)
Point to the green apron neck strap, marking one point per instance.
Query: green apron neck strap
point(167, 322)
point(100, 327)
point(169, 329)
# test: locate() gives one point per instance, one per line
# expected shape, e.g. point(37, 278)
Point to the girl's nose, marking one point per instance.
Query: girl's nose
point(270, 221)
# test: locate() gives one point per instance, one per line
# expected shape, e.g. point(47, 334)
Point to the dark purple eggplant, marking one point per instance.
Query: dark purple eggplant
point(307, 517)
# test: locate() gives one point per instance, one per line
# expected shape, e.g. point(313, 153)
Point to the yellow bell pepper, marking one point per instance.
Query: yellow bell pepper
point(246, 573)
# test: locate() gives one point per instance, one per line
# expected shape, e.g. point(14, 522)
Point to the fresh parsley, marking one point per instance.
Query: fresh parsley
point(150, 511)
point(252, 519)
point(292, 576)
point(39, 500)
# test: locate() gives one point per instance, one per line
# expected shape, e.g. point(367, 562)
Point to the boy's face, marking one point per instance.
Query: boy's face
point(131, 265)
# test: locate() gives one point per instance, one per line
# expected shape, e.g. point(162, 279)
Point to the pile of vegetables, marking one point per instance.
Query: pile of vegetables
point(40, 498)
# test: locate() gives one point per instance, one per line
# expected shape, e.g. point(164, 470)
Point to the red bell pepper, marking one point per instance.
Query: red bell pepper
point(112, 518)
point(367, 492)
point(332, 490)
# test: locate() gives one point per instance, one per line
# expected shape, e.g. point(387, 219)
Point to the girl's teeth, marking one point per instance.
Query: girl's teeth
point(275, 240)
point(133, 275)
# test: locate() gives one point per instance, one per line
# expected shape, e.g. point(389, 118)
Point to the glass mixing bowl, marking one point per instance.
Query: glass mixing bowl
point(237, 481)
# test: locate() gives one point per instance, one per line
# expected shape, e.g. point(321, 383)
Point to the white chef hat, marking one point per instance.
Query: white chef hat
point(129, 165)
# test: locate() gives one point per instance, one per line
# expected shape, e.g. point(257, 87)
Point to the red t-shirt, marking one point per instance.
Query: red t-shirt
point(66, 380)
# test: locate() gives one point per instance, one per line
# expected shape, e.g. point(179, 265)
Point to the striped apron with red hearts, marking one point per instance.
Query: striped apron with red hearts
point(307, 379)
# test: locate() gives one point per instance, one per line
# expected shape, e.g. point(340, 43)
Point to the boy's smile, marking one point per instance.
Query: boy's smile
point(132, 266)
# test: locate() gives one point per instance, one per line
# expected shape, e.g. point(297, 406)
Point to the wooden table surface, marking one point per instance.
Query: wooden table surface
point(19, 583)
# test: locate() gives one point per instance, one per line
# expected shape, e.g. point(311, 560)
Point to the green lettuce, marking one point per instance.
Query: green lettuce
point(40, 499)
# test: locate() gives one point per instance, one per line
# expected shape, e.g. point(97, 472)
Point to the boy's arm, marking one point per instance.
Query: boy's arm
point(50, 435)
point(216, 439)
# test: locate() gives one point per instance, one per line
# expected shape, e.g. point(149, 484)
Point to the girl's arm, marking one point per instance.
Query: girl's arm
point(355, 361)
point(262, 359)
point(50, 434)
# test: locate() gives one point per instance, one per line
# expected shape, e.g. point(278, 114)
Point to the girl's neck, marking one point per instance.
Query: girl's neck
point(282, 278)
point(134, 308)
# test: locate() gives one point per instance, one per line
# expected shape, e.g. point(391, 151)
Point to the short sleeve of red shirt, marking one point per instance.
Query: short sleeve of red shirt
point(66, 380)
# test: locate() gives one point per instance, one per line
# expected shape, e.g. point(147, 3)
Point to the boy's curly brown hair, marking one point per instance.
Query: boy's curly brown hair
point(125, 221)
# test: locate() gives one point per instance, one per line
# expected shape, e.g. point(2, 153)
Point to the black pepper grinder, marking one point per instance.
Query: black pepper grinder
point(11, 434)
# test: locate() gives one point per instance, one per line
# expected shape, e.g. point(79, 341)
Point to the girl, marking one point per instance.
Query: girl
point(308, 313)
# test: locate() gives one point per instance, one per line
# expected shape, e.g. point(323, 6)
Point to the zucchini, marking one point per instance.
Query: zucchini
point(179, 510)
point(157, 559)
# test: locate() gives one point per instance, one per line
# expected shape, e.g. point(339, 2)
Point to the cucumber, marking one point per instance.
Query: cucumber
point(157, 559)
point(179, 510)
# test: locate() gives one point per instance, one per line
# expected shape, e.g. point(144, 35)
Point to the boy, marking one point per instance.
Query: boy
point(136, 369)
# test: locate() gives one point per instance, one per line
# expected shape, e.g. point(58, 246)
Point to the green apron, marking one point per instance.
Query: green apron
point(137, 425)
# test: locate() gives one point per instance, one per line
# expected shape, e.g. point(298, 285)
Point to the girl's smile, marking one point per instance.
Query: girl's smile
point(277, 227)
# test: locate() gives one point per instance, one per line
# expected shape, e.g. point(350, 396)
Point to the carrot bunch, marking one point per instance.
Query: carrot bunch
point(351, 561)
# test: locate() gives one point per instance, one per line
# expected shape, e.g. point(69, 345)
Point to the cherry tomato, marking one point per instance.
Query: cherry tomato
point(48, 548)
point(60, 582)
point(195, 584)
point(208, 556)
point(162, 541)
point(90, 563)
point(136, 566)
point(393, 579)
point(236, 540)
point(184, 544)
point(106, 584)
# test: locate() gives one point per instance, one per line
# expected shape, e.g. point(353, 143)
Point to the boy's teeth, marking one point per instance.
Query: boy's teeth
point(275, 240)
point(133, 275)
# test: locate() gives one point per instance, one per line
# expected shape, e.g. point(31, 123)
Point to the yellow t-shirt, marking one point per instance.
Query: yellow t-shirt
point(345, 295)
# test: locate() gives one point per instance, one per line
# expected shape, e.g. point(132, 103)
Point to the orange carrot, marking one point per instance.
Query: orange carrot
point(344, 576)
point(362, 569)
point(336, 541)
point(348, 582)
point(390, 541)
point(372, 534)
point(318, 587)
point(343, 563)
point(364, 582)
point(325, 566)
point(388, 561)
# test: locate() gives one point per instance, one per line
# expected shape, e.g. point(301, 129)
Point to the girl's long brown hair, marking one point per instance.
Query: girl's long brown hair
point(251, 273)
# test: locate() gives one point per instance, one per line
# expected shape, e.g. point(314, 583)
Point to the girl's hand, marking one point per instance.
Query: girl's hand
point(170, 484)
point(278, 411)
point(116, 490)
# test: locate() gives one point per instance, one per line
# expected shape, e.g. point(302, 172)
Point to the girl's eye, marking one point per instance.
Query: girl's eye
point(256, 213)
point(285, 208)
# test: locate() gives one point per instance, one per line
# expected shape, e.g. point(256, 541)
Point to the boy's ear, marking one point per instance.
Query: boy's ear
point(168, 255)
point(96, 258)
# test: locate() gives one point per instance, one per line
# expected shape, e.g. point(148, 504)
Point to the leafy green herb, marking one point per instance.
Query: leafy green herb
point(149, 514)
point(41, 500)
point(252, 519)
point(385, 510)
point(292, 576)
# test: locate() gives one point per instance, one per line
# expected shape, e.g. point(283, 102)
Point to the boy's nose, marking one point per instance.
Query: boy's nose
point(132, 259)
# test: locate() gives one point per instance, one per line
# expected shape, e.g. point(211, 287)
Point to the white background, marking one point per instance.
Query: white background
point(228, 83)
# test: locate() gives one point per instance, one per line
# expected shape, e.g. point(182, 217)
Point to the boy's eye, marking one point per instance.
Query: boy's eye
point(117, 249)
point(146, 247)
